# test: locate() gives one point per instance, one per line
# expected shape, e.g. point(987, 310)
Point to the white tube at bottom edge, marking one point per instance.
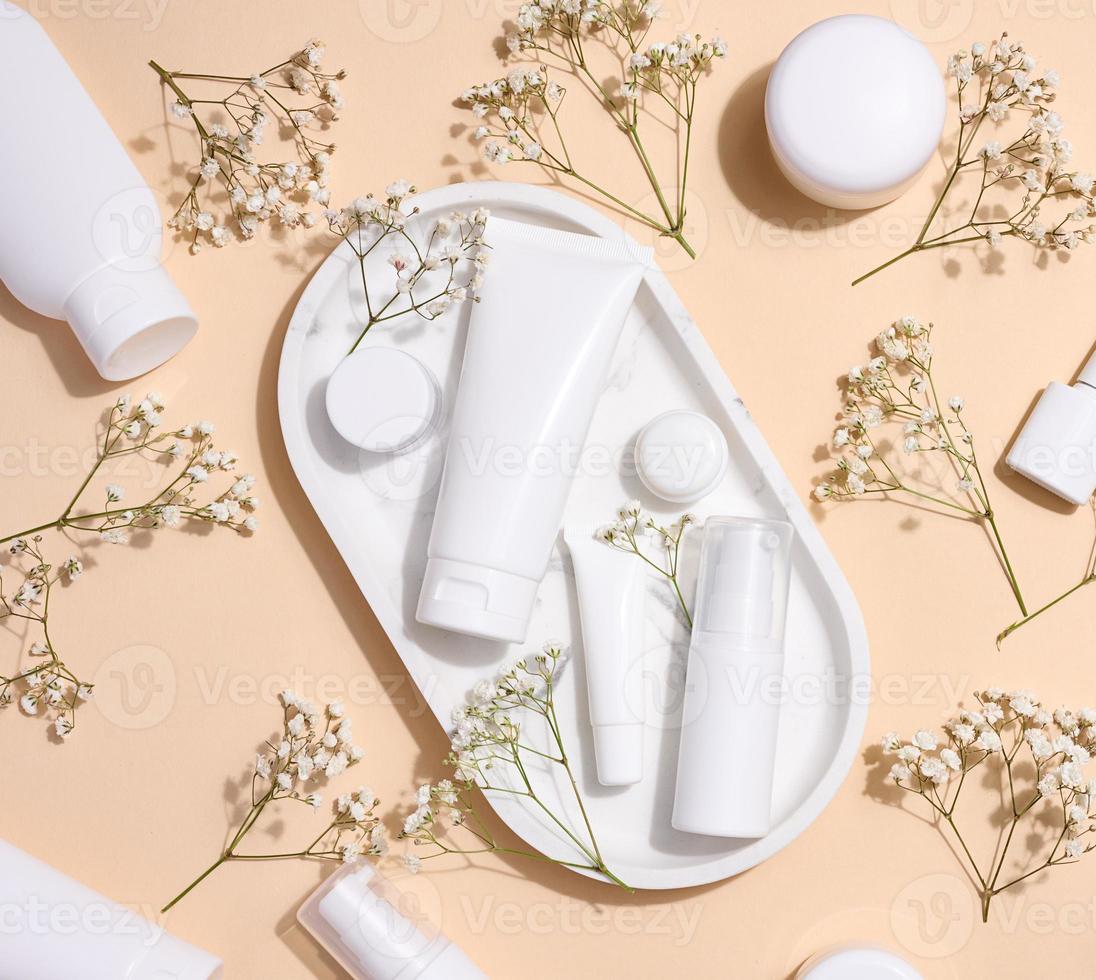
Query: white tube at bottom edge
point(57, 929)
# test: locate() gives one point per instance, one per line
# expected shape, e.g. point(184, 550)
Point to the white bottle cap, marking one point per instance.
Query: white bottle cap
point(865, 963)
point(130, 321)
point(383, 399)
point(734, 680)
point(172, 959)
point(681, 456)
point(1057, 446)
point(476, 600)
point(743, 583)
point(373, 930)
point(855, 108)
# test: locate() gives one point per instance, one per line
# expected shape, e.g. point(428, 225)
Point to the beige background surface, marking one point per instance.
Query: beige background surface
point(137, 812)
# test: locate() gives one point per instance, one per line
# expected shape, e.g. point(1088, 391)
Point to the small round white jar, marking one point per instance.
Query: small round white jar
point(857, 963)
point(383, 400)
point(681, 456)
point(855, 108)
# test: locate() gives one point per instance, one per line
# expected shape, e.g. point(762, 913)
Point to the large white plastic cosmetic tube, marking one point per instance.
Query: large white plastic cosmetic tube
point(734, 680)
point(611, 586)
point(52, 928)
point(81, 235)
point(539, 346)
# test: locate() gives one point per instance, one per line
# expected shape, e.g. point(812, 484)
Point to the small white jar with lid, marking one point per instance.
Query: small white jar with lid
point(383, 400)
point(857, 963)
point(855, 109)
point(681, 456)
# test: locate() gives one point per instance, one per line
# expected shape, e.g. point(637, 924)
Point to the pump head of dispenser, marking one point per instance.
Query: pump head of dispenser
point(1057, 446)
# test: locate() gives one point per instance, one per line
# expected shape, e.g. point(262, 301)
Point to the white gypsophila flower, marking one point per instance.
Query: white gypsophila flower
point(925, 740)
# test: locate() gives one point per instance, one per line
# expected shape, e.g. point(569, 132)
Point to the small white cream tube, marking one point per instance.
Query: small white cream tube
point(377, 932)
point(734, 680)
point(611, 587)
point(53, 928)
point(540, 343)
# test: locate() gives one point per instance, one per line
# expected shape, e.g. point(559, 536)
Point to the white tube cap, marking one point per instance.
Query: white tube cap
point(855, 108)
point(865, 963)
point(130, 321)
point(618, 750)
point(476, 600)
point(172, 959)
point(1057, 446)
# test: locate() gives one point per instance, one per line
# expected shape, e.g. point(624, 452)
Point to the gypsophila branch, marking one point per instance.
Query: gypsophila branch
point(45, 685)
point(893, 415)
point(1014, 179)
point(519, 114)
point(895, 425)
point(298, 99)
point(434, 268)
point(188, 460)
point(313, 746)
point(633, 525)
point(491, 753)
point(1038, 758)
point(184, 461)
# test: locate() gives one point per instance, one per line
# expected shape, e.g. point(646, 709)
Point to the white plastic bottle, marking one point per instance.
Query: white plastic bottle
point(53, 928)
point(377, 932)
point(734, 681)
point(81, 235)
point(1057, 446)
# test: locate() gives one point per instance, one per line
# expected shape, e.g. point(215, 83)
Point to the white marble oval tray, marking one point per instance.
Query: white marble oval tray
point(378, 511)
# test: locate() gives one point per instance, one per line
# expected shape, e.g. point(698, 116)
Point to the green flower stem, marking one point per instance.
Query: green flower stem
point(1009, 630)
point(223, 859)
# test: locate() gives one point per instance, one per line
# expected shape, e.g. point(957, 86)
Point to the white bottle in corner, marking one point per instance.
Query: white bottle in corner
point(54, 928)
point(81, 234)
